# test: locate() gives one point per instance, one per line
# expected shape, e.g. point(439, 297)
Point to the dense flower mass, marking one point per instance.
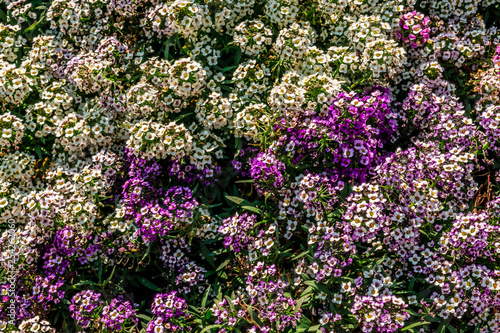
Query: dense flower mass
point(259, 166)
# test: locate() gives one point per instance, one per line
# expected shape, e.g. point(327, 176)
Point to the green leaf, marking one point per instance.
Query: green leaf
point(252, 209)
point(146, 253)
point(238, 145)
point(110, 277)
point(205, 297)
point(83, 283)
point(486, 16)
point(238, 201)
point(420, 323)
point(423, 294)
point(442, 327)
point(307, 291)
point(182, 116)
point(304, 324)
point(318, 286)
point(221, 266)
point(254, 315)
point(225, 69)
point(301, 301)
point(222, 274)
point(412, 282)
point(295, 257)
point(167, 49)
point(3, 16)
point(99, 271)
point(251, 181)
point(237, 56)
point(496, 165)
point(433, 319)
point(148, 284)
point(38, 151)
point(142, 316)
point(33, 26)
point(209, 328)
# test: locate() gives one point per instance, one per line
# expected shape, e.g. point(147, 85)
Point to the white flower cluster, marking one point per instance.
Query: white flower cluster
point(118, 223)
point(252, 37)
point(57, 101)
point(183, 16)
point(155, 79)
point(367, 29)
point(187, 78)
point(281, 12)
point(77, 131)
point(157, 140)
point(448, 8)
point(142, 100)
point(248, 120)
point(11, 130)
point(89, 72)
point(314, 61)
point(383, 57)
point(17, 168)
point(207, 148)
point(9, 41)
point(294, 41)
point(15, 85)
point(298, 93)
point(214, 111)
point(458, 44)
point(35, 324)
point(251, 79)
point(228, 13)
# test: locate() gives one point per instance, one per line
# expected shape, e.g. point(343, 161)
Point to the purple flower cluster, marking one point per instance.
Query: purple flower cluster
point(350, 136)
point(89, 311)
point(496, 59)
point(189, 174)
point(268, 172)
point(83, 305)
point(154, 211)
point(265, 293)
point(414, 29)
point(237, 230)
point(118, 315)
point(489, 119)
point(170, 313)
point(186, 272)
point(318, 192)
point(380, 314)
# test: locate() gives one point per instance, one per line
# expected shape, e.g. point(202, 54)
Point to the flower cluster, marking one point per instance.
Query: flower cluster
point(15, 84)
point(83, 305)
point(170, 313)
point(252, 37)
point(118, 315)
point(380, 314)
point(414, 29)
point(12, 130)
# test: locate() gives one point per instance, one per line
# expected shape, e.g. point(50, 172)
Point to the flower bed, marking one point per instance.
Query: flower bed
point(249, 166)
